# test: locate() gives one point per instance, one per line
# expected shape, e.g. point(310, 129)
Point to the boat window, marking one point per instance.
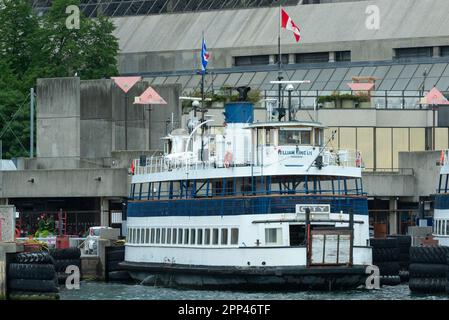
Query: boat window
point(319, 137)
point(158, 235)
point(224, 236)
point(234, 236)
point(130, 235)
point(199, 237)
point(153, 235)
point(186, 236)
point(168, 236)
point(294, 137)
point(163, 236)
point(273, 236)
point(192, 236)
point(147, 236)
point(179, 236)
point(138, 236)
point(175, 240)
point(447, 227)
point(215, 236)
point(207, 236)
point(297, 234)
point(142, 235)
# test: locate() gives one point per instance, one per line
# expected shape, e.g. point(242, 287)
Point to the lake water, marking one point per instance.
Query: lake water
point(118, 291)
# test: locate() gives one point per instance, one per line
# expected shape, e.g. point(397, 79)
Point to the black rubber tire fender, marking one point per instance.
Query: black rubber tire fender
point(388, 268)
point(390, 280)
point(66, 254)
point(61, 265)
point(423, 270)
point(385, 254)
point(427, 285)
point(429, 255)
point(114, 266)
point(33, 285)
point(34, 257)
point(116, 256)
point(384, 243)
point(31, 271)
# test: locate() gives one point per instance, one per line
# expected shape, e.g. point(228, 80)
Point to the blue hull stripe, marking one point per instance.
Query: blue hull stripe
point(441, 201)
point(241, 206)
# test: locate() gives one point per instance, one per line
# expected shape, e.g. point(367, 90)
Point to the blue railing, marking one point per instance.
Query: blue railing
point(243, 205)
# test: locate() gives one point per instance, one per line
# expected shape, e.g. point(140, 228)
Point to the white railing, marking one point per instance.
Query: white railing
point(343, 158)
point(162, 164)
point(157, 164)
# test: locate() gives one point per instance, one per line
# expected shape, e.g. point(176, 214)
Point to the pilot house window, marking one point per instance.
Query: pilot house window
point(294, 137)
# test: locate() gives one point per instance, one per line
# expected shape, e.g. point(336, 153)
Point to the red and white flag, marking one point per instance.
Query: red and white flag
point(288, 24)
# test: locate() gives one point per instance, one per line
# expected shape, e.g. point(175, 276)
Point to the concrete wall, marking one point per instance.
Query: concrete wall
point(422, 182)
point(389, 184)
point(371, 117)
point(79, 123)
point(58, 118)
point(173, 41)
point(65, 183)
point(426, 169)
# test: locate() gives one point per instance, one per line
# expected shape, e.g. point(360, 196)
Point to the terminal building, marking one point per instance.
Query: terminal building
point(398, 51)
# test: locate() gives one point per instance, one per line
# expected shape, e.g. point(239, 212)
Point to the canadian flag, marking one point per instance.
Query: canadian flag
point(288, 24)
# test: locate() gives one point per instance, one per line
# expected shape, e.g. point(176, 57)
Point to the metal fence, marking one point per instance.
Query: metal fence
point(309, 99)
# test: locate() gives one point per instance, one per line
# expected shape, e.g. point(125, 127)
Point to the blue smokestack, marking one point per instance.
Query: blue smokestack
point(239, 112)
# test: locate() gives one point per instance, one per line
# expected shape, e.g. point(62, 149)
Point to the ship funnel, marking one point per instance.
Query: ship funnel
point(239, 112)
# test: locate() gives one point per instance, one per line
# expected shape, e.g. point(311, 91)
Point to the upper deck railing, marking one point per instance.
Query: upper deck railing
point(158, 164)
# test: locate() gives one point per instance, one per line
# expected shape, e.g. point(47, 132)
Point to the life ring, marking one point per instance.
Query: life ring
point(227, 159)
point(358, 160)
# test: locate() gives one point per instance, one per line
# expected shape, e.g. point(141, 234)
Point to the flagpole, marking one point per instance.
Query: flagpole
point(280, 104)
point(203, 72)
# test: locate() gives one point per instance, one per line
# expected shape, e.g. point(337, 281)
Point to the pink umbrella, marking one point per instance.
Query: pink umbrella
point(149, 97)
point(434, 97)
point(126, 83)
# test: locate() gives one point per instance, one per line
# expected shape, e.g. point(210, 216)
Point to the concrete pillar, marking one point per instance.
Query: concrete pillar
point(393, 216)
point(4, 249)
point(272, 59)
point(104, 218)
point(7, 223)
point(291, 58)
point(332, 56)
point(436, 52)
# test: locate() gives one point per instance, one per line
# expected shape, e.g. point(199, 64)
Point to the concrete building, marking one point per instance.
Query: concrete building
point(402, 46)
point(80, 173)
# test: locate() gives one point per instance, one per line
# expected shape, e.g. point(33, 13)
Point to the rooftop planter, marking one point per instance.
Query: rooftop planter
point(345, 101)
point(224, 95)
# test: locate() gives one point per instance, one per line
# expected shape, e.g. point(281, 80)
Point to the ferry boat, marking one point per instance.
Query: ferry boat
point(257, 205)
point(441, 203)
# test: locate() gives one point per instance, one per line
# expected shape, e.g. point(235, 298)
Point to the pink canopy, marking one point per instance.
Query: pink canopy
point(150, 96)
point(126, 83)
point(434, 97)
point(356, 86)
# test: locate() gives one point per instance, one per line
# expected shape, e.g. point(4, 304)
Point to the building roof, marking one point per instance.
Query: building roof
point(321, 23)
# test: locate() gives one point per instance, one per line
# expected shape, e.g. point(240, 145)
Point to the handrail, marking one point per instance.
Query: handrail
point(404, 171)
point(341, 158)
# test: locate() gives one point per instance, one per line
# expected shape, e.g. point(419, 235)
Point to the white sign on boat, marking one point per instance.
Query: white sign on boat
point(314, 208)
